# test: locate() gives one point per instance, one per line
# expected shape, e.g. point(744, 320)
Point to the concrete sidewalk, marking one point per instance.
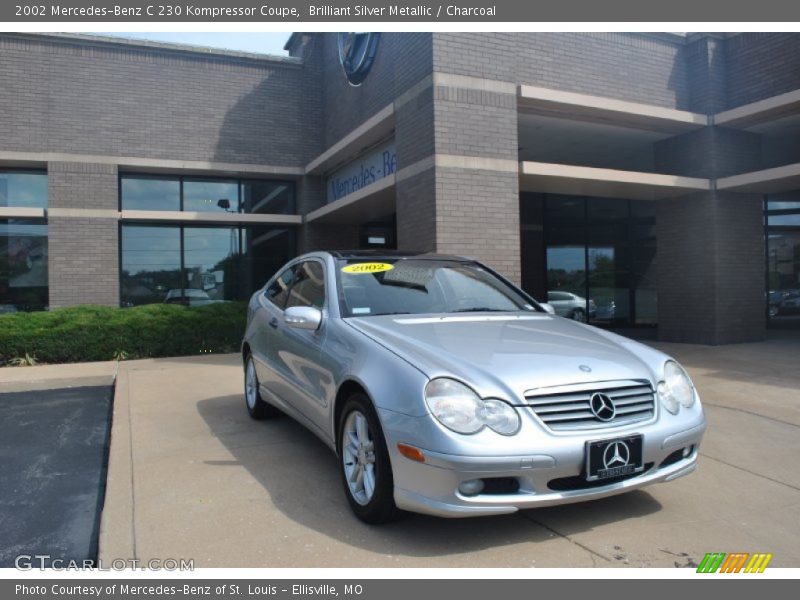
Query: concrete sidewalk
point(191, 476)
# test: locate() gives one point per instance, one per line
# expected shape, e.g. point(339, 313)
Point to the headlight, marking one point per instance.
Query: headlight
point(676, 389)
point(459, 408)
point(500, 417)
point(455, 405)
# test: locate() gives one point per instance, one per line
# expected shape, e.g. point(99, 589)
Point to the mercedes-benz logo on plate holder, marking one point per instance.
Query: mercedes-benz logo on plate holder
point(356, 54)
point(602, 407)
point(616, 454)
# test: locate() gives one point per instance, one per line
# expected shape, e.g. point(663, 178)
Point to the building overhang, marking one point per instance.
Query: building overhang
point(767, 181)
point(189, 217)
point(19, 212)
point(608, 183)
point(570, 105)
point(372, 131)
point(764, 116)
point(370, 203)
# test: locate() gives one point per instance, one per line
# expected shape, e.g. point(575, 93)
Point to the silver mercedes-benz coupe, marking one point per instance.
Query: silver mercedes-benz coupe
point(444, 389)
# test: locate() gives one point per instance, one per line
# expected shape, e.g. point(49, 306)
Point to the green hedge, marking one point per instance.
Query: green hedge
point(89, 333)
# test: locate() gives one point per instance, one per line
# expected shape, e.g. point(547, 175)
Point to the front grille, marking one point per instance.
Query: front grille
point(571, 410)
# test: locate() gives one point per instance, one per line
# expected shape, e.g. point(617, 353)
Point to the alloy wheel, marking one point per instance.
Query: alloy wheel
point(251, 385)
point(358, 457)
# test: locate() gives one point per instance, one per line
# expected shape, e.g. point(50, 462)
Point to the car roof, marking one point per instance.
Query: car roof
point(394, 254)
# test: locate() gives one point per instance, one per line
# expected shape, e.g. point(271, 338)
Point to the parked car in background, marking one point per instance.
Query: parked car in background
point(188, 297)
point(444, 389)
point(572, 306)
point(606, 311)
point(784, 302)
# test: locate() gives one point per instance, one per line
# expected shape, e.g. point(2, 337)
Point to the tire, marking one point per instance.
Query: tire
point(378, 506)
point(578, 315)
point(257, 408)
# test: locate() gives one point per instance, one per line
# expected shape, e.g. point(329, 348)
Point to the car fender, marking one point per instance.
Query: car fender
point(389, 381)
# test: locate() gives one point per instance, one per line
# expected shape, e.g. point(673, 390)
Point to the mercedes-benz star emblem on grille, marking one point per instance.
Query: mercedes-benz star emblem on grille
point(602, 407)
point(616, 454)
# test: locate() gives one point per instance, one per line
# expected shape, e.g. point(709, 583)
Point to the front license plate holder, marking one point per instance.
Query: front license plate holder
point(615, 457)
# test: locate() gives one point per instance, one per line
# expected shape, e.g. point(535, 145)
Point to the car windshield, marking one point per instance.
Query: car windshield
point(423, 286)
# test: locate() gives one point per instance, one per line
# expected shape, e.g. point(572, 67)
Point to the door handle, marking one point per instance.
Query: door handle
point(274, 322)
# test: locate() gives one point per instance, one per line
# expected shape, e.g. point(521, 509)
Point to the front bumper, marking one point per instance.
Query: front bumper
point(533, 480)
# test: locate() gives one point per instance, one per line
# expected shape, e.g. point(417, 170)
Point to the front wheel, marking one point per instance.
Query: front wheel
point(257, 408)
point(365, 467)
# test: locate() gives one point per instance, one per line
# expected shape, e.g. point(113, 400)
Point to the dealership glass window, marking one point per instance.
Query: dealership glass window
point(211, 263)
point(265, 249)
point(151, 264)
point(199, 265)
point(23, 266)
point(156, 192)
point(566, 244)
point(783, 257)
point(211, 196)
point(23, 189)
point(150, 193)
point(267, 197)
point(602, 250)
point(608, 258)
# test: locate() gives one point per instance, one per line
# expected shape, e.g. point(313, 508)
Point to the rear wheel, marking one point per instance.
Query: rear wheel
point(365, 467)
point(256, 407)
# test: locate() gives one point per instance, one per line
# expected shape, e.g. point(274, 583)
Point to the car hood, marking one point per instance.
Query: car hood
point(511, 353)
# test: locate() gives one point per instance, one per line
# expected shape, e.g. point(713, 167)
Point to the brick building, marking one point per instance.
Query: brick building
point(655, 175)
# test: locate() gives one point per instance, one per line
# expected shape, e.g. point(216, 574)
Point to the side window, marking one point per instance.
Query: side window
point(308, 288)
point(278, 291)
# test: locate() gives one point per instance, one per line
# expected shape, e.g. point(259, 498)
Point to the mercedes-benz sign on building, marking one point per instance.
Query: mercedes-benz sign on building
point(634, 180)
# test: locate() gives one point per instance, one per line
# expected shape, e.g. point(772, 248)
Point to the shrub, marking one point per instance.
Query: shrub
point(89, 333)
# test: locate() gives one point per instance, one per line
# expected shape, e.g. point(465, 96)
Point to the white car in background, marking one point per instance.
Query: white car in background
point(572, 306)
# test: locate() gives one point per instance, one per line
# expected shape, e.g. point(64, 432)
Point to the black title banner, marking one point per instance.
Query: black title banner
point(224, 11)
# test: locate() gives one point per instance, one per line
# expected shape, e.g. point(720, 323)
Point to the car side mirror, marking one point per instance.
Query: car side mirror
point(548, 308)
point(303, 317)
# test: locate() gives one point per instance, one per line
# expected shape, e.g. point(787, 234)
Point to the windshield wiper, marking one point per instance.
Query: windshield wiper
point(479, 309)
point(383, 314)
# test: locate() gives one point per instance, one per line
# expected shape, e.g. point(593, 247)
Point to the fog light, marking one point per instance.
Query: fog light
point(687, 451)
point(473, 487)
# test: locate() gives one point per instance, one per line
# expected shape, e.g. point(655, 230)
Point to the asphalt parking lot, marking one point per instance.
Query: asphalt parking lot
point(53, 447)
point(191, 476)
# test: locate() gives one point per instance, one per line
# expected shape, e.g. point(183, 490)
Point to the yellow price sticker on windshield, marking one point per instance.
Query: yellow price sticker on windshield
point(368, 267)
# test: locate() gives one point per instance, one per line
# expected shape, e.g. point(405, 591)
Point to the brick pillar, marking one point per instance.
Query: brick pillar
point(477, 181)
point(710, 269)
point(83, 234)
point(416, 176)
point(708, 77)
point(710, 245)
point(458, 183)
